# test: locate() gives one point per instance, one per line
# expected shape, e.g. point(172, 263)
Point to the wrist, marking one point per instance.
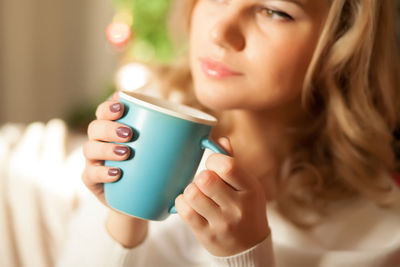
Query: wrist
point(127, 230)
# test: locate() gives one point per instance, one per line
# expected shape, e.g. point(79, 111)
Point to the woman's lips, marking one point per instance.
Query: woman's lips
point(215, 69)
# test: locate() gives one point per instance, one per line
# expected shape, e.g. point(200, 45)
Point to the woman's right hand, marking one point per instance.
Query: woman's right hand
point(128, 231)
point(97, 149)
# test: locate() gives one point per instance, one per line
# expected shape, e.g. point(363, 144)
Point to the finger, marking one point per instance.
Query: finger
point(100, 174)
point(189, 215)
point(228, 170)
point(109, 131)
point(110, 110)
point(94, 162)
point(115, 96)
point(94, 150)
point(202, 204)
point(225, 143)
point(211, 185)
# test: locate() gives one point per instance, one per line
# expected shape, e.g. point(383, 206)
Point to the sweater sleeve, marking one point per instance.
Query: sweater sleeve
point(89, 244)
point(261, 255)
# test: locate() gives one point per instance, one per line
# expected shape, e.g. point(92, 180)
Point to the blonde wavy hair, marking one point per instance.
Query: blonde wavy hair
point(351, 93)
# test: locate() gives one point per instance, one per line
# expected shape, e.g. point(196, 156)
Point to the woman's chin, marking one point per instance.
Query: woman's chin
point(215, 103)
point(216, 97)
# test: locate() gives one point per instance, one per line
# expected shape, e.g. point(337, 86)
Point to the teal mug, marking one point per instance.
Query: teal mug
point(166, 148)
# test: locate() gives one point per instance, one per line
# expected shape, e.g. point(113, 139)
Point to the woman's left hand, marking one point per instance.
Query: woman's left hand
point(225, 208)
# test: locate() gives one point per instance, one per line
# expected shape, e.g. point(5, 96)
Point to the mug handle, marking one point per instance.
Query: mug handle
point(214, 147)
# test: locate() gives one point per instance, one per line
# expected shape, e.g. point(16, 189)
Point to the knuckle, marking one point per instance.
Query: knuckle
point(238, 216)
point(97, 174)
point(212, 238)
point(190, 215)
point(87, 176)
point(179, 202)
point(186, 211)
point(229, 168)
point(99, 110)
point(90, 128)
point(191, 193)
point(211, 160)
point(90, 175)
point(225, 227)
point(86, 149)
point(206, 179)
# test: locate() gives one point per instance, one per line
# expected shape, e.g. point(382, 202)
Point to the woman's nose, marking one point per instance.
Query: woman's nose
point(226, 33)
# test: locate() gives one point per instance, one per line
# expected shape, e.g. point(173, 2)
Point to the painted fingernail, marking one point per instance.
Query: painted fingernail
point(121, 150)
point(123, 132)
point(116, 107)
point(114, 172)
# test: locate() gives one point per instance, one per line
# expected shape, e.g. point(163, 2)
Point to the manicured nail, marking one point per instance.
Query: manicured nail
point(116, 107)
point(121, 150)
point(114, 172)
point(123, 132)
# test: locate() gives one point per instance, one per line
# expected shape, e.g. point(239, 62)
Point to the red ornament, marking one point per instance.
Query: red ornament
point(118, 33)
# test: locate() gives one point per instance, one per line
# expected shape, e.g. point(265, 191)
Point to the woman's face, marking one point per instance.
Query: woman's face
point(253, 54)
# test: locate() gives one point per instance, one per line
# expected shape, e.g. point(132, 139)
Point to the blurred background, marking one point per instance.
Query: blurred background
point(59, 59)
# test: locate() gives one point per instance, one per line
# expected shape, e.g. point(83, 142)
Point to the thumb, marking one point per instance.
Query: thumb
point(225, 143)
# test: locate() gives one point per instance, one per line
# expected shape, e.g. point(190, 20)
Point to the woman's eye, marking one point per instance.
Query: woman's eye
point(275, 14)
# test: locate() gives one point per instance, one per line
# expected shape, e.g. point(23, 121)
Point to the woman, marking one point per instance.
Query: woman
point(307, 92)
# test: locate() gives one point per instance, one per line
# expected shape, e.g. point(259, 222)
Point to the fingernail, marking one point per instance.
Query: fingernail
point(114, 172)
point(123, 132)
point(121, 150)
point(115, 107)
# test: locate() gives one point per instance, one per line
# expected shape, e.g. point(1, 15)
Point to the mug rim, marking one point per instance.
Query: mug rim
point(169, 108)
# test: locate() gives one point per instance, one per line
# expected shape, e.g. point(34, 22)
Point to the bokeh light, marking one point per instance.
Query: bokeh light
point(118, 33)
point(132, 77)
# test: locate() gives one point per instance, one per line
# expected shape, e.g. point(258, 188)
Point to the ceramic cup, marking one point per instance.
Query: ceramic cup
point(166, 148)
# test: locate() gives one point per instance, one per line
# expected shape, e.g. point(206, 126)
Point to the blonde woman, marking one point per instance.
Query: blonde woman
point(307, 92)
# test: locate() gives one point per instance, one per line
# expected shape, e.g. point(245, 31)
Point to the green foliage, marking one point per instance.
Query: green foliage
point(151, 38)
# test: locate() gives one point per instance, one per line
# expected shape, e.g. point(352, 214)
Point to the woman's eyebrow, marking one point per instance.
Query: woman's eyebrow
point(297, 2)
